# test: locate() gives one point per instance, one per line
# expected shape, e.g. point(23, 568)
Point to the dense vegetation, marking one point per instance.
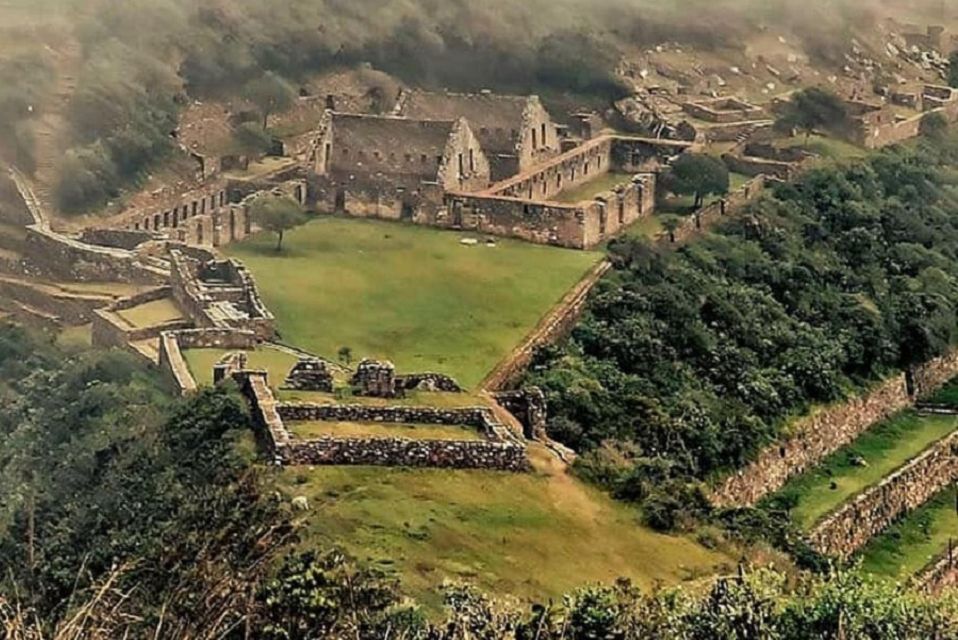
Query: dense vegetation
point(687, 363)
point(129, 514)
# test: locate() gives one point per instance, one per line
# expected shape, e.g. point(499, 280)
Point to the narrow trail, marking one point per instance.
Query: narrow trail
point(51, 129)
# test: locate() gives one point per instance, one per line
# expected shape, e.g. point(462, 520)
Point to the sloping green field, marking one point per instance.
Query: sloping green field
point(410, 294)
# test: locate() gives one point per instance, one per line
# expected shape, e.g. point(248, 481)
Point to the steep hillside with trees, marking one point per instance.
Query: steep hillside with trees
point(687, 363)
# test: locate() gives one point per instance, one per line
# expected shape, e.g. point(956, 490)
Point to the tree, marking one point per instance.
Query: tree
point(270, 93)
point(278, 214)
point(345, 355)
point(810, 109)
point(934, 125)
point(953, 70)
point(698, 175)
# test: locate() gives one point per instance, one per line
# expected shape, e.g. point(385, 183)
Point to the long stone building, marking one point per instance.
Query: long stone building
point(516, 132)
point(392, 167)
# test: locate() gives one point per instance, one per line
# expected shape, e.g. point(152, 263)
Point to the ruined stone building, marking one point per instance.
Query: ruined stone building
point(393, 167)
point(516, 132)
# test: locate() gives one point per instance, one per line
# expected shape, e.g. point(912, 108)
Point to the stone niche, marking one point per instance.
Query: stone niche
point(376, 379)
point(310, 374)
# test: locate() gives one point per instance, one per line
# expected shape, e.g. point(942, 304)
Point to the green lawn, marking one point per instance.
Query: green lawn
point(906, 547)
point(411, 294)
point(319, 429)
point(592, 188)
point(884, 448)
point(152, 313)
point(277, 363)
point(531, 535)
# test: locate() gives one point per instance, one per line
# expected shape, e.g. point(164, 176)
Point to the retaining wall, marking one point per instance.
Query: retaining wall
point(172, 344)
point(399, 452)
point(848, 529)
point(940, 574)
point(816, 436)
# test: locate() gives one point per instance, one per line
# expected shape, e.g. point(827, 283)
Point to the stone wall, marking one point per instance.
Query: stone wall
point(814, 437)
point(940, 574)
point(708, 216)
point(529, 407)
point(428, 381)
point(848, 529)
point(398, 452)
point(755, 166)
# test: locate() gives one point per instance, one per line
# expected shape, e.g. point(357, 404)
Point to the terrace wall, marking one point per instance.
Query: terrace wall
point(819, 435)
point(940, 574)
point(854, 524)
point(400, 452)
point(172, 344)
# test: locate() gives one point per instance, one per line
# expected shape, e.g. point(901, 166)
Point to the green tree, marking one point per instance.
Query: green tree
point(698, 175)
point(277, 214)
point(953, 70)
point(810, 109)
point(270, 93)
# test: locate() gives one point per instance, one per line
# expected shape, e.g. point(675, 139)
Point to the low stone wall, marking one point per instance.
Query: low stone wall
point(398, 452)
point(854, 524)
point(112, 332)
point(554, 327)
point(708, 216)
point(940, 574)
point(814, 437)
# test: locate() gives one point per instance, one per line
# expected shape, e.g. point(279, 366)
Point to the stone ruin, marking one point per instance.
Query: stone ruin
point(378, 379)
point(310, 374)
point(529, 407)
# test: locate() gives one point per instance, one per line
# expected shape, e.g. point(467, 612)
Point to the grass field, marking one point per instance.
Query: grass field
point(277, 363)
point(909, 545)
point(592, 188)
point(530, 535)
point(319, 429)
point(411, 294)
point(883, 449)
point(152, 313)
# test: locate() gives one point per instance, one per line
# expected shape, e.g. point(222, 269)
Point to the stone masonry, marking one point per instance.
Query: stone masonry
point(818, 435)
point(848, 529)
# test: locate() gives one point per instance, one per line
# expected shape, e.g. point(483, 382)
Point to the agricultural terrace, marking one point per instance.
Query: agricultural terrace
point(410, 294)
point(529, 535)
point(909, 545)
point(864, 463)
